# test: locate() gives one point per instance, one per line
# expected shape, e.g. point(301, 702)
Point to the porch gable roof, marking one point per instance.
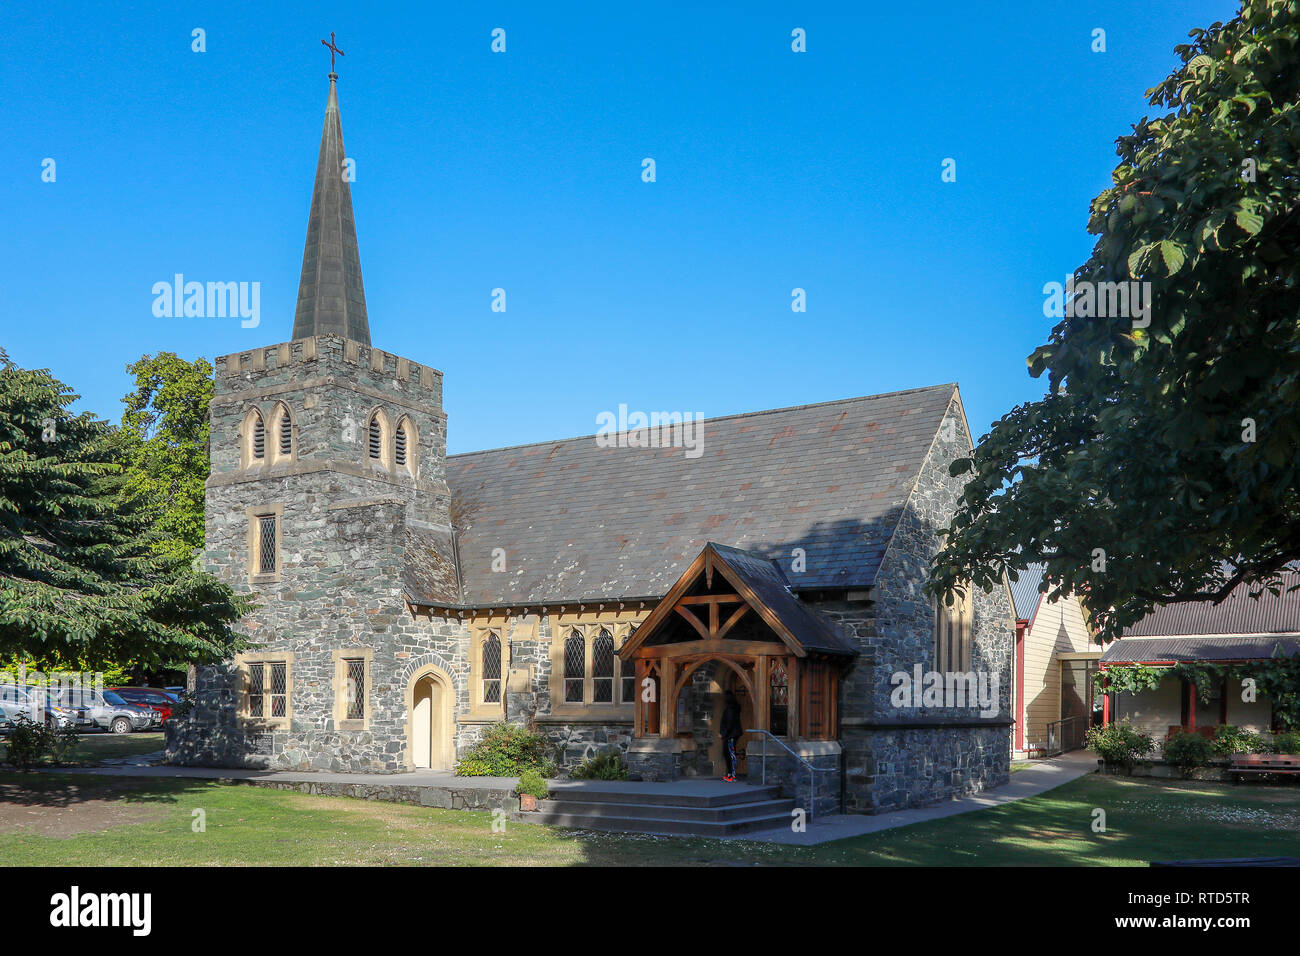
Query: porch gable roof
point(763, 586)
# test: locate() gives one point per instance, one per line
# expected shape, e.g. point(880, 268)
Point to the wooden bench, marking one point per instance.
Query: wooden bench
point(1243, 764)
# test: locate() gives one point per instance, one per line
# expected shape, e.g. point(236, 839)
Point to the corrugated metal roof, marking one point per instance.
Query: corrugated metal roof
point(1024, 592)
point(578, 520)
point(1231, 648)
point(1239, 613)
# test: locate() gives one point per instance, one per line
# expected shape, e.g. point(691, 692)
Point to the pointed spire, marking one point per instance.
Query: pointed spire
point(331, 298)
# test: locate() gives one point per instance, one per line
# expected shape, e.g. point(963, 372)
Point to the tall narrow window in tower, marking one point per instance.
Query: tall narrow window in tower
point(575, 667)
point(492, 670)
point(266, 544)
point(399, 444)
point(259, 439)
point(602, 668)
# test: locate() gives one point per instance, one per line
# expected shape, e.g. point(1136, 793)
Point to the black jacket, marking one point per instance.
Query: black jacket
point(731, 721)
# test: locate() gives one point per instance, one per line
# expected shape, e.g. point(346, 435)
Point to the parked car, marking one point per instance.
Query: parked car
point(57, 712)
point(153, 698)
point(36, 704)
point(14, 703)
point(112, 712)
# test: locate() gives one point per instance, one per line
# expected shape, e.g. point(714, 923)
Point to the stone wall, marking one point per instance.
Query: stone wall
point(913, 755)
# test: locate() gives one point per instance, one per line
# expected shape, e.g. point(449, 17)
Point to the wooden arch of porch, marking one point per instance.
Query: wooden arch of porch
point(734, 609)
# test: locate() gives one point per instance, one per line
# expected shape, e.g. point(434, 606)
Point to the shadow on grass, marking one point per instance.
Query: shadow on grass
point(44, 789)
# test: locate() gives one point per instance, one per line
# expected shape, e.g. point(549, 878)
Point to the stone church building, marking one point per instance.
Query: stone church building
point(604, 593)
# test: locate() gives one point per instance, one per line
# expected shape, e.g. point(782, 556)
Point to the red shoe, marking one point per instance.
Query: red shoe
point(729, 779)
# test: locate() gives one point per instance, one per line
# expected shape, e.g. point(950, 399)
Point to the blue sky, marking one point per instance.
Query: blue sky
point(522, 170)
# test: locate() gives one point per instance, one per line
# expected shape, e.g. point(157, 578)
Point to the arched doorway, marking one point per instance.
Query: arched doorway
point(428, 722)
point(697, 709)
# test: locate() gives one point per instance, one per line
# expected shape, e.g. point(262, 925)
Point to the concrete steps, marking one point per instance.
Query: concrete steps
point(742, 810)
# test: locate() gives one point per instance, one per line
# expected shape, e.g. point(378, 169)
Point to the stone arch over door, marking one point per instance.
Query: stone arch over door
point(430, 719)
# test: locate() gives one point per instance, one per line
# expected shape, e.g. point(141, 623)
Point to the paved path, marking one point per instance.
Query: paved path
point(1041, 776)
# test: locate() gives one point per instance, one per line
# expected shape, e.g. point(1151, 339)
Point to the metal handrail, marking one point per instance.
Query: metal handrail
point(812, 781)
point(1056, 735)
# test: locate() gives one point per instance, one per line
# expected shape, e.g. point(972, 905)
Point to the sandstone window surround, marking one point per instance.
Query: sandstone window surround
point(488, 661)
point(264, 543)
point(952, 633)
point(379, 440)
point(406, 447)
point(264, 688)
point(284, 445)
point(353, 667)
point(252, 440)
point(587, 678)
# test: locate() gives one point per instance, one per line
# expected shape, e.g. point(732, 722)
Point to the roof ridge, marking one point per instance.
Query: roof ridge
point(718, 418)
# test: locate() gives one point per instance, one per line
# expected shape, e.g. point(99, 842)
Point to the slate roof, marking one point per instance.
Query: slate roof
point(331, 297)
point(580, 521)
point(1231, 648)
point(1025, 593)
point(1239, 613)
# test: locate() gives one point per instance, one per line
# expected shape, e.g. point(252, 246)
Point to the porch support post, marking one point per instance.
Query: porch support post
point(667, 708)
point(1191, 706)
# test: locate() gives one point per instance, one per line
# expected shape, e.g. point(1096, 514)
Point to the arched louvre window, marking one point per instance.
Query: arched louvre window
point(575, 667)
point(778, 700)
point(492, 670)
point(602, 669)
point(399, 445)
point(286, 433)
point(259, 438)
point(376, 439)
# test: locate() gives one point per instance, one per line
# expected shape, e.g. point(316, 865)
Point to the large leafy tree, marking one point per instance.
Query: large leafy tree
point(165, 420)
point(83, 579)
point(1162, 464)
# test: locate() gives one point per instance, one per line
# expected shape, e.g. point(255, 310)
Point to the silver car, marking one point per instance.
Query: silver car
point(111, 712)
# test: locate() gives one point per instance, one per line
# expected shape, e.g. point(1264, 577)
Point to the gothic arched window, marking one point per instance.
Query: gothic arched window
point(492, 670)
point(284, 431)
point(575, 667)
point(602, 668)
point(252, 452)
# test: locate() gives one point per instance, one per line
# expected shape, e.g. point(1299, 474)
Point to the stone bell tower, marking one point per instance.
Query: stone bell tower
point(328, 472)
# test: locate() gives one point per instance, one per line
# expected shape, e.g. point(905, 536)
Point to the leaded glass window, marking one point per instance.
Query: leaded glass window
point(575, 667)
point(492, 670)
point(256, 692)
point(602, 669)
point(268, 689)
point(279, 696)
point(355, 673)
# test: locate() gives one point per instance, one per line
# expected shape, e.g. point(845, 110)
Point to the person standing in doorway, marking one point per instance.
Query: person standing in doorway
point(731, 730)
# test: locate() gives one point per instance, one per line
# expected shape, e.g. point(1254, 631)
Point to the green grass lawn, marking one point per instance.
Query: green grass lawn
point(94, 747)
point(68, 819)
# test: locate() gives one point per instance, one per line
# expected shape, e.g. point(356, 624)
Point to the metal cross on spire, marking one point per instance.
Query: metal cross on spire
point(333, 49)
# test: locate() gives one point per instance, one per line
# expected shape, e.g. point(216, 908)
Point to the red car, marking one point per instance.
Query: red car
point(156, 700)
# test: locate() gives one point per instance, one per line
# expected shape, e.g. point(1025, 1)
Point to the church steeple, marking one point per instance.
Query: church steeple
point(331, 297)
